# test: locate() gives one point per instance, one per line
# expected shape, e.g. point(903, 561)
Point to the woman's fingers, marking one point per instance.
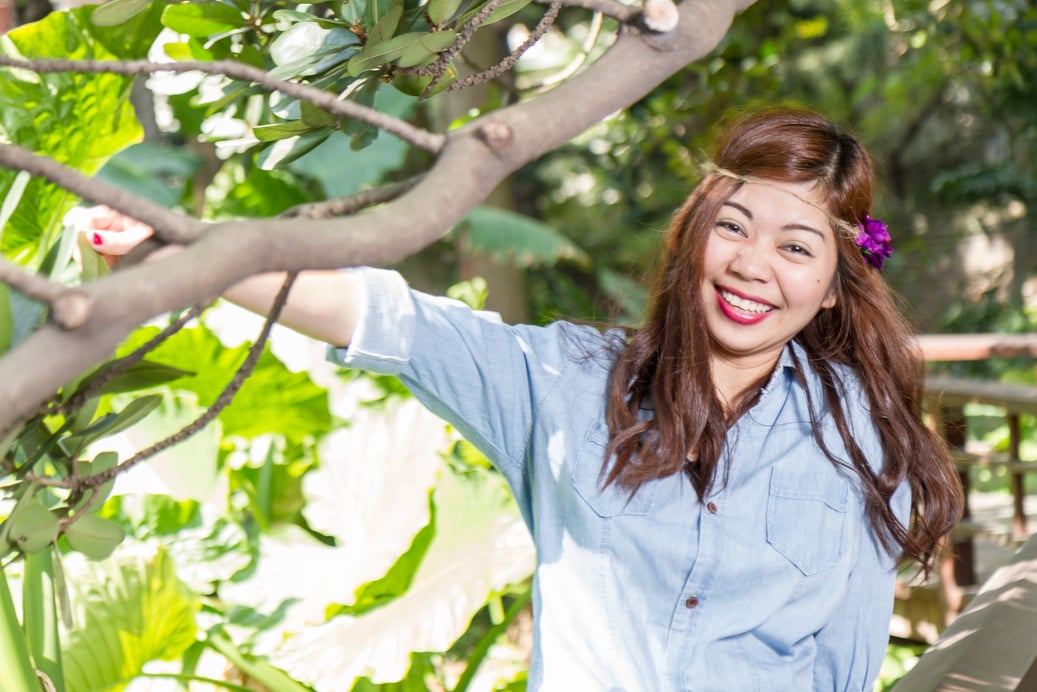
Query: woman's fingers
point(117, 242)
point(109, 232)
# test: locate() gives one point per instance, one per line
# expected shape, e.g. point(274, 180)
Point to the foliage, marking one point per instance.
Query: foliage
point(223, 530)
point(204, 523)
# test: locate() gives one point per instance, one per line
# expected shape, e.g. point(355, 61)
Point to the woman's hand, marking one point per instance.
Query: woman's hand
point(110, 233)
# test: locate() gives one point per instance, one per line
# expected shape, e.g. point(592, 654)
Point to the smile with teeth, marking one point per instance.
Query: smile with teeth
point(744, 304)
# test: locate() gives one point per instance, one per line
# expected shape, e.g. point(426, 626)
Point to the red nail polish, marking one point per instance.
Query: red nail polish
point(95, 239)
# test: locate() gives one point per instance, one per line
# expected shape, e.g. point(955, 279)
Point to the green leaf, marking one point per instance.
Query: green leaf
point(186, 51)
point(399, 577)
point(310, 48)
point(104, 461)
point(40, 600)
point(284, 151)
point(202, 19)
point(94, 536)
point(503, 11)
point(33, 528)
point(144, 375)
point(92, 266)
point(511, 238)
point(414, 44)
point(6, 318)
point(272, 133)
point(111, 424)
point(272, 400)
point(386, 27)
point(16, 669)
point(13, 197)
point(154, 171)
point(116, 12)
point(441, 10)
point(480, 547)
point(78, 119)
point(129, 610)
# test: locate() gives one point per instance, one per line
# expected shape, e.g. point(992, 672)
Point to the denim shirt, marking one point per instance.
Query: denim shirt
point(774, 582)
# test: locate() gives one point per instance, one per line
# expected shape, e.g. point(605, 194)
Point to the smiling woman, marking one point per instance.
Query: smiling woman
point(720, 498)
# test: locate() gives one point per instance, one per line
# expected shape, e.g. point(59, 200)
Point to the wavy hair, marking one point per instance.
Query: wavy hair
point(665, 364)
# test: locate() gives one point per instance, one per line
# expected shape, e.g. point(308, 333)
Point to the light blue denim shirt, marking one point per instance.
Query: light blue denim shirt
point(776, 582)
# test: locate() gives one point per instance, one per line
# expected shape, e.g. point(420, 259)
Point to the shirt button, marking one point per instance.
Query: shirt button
point(692, 601)
point(712, 507)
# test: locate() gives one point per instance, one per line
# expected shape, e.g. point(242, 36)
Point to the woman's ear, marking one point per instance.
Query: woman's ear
point(830, 299)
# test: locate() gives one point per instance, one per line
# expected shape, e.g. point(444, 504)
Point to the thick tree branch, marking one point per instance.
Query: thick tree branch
point(473, 161)
point(235, 70)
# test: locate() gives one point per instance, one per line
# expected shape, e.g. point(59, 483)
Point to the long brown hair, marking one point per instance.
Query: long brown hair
point(666, 363)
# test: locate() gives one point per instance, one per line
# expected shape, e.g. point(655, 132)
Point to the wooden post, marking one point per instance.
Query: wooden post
point(1017, 479)
point(953, 429)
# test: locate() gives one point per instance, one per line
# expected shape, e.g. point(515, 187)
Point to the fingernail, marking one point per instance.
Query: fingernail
point(95, 239)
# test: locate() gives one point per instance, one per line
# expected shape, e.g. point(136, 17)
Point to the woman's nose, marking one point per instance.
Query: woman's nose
point(752, 262)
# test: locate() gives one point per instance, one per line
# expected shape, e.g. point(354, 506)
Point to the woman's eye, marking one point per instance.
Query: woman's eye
point(797, 249)
point(730, 227)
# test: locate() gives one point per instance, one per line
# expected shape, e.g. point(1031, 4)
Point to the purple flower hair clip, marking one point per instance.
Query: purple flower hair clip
point(874, 242)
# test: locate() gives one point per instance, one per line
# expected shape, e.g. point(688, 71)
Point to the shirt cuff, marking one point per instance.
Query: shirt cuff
point(384, 332)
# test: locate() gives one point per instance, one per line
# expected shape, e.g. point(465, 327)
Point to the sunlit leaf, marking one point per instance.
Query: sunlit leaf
point(481, 546)
point(128, 610)
point(202, 19)
point(94, 536)
point(273, 399)
point(116, 12)
point(79, 119)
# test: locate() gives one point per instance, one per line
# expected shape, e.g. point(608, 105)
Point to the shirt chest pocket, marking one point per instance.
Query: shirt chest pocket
point(587, 480)
point(807, 520)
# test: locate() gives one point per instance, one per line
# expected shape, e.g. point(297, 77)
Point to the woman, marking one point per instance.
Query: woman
point(720, 498)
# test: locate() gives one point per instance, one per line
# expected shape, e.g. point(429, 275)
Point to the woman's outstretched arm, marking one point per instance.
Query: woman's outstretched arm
point(321, 304)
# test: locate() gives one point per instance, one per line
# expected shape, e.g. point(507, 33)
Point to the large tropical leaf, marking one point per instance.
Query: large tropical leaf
point(511, 238)
point(128, 610)
point(371, 494)
point(78, 119)
point(480, 546)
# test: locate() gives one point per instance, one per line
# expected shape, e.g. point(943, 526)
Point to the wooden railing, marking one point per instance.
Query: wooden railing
point(992, 643)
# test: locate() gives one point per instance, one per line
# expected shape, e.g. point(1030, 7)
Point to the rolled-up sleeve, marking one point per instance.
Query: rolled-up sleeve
point(384, 333)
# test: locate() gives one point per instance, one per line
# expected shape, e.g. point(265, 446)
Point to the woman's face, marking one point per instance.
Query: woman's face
point(769, 268)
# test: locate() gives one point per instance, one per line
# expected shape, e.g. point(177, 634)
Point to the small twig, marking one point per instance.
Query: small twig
point(330, 102)
point(222, 401)
point(626, 14)
point(351, 204)
point(122, 364)
point(507, 63)
point(436, 68)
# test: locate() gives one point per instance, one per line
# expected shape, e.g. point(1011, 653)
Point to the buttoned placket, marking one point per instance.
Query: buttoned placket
point(692, 604)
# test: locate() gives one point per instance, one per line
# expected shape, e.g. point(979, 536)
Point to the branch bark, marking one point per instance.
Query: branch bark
point(473, 160)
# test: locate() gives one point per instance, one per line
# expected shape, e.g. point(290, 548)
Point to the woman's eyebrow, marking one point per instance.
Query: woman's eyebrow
point(739, 207)
point(786, 227)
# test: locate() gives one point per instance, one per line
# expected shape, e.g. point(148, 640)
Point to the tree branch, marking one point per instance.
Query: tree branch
point(470, 164)
point(409, 133)
point(169, 226)
point(351, 204)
